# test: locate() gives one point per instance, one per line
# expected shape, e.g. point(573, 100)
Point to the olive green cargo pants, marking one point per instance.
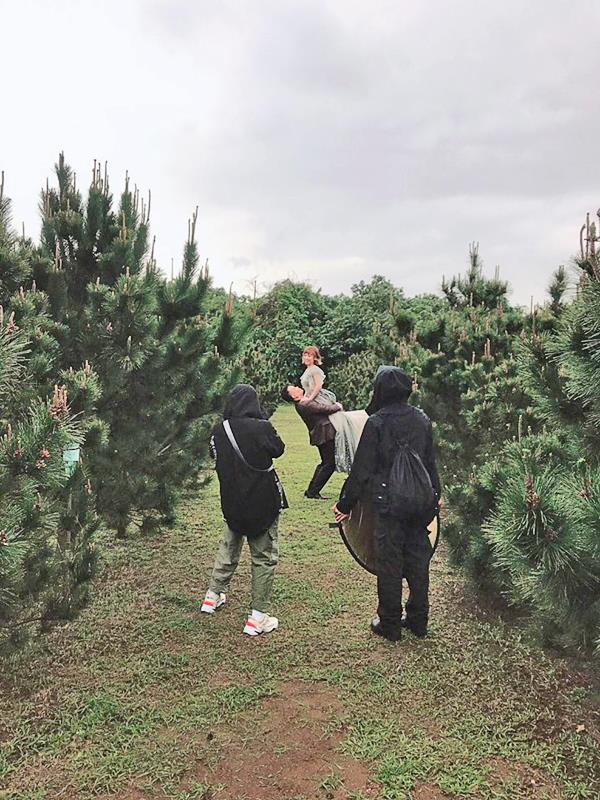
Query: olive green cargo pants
point(264, 552)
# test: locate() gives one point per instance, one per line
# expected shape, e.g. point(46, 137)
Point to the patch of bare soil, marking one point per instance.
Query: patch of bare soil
point(37, 771)
point(530, 782)
point(289, 752)
point(427, 791)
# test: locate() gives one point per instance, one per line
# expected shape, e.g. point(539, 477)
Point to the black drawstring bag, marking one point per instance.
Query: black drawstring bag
point(408, 492)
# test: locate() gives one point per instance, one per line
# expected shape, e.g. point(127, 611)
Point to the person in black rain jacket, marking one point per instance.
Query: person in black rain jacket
point(252, 498)
point(403, 547)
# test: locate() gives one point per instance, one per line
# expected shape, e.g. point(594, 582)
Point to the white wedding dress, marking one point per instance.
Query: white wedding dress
point(348, 424)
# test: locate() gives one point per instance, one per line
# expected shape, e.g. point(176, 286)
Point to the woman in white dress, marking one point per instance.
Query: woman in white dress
point(348, 424)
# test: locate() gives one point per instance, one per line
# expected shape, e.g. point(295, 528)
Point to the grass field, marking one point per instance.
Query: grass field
point(142, 698)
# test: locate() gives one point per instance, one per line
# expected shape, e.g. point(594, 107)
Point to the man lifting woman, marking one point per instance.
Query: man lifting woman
point(332, 430)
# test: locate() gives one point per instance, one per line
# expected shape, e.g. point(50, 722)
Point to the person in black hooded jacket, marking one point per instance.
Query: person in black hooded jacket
point(403, 547)
point(252, 498)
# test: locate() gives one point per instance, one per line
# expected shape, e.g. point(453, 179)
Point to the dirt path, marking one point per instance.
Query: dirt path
point(140, 698)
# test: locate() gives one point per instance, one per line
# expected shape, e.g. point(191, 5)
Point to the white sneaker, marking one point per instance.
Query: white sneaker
point(212, 601)
point(266, 624)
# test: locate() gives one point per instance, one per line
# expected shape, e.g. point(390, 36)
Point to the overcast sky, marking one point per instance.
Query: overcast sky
point(326, 140)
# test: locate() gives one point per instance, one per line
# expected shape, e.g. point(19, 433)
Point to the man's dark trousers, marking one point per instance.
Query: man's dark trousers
point(325, 469)
point(403, 549)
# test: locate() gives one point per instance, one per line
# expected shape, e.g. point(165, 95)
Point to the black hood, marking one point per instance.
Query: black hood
point(243, 402)
point(392, 385)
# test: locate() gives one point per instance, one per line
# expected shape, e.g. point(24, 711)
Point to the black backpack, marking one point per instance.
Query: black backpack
point(409, 493)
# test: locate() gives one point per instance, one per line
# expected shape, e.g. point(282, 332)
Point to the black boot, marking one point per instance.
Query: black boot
point(314, 496)
point(417, 628)
point(392, 636)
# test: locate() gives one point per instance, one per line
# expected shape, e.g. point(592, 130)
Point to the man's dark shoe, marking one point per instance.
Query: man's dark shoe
point(312, 496)
point(416, 628)
point(392, 636)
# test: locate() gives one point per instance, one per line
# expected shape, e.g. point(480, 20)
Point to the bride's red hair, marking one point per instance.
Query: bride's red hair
point(315, 353)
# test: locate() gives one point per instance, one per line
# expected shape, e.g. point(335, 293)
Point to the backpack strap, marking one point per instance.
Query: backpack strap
point(234, 444)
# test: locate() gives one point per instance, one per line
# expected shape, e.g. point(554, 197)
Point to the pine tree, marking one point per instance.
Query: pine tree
point(578, 343)
point(31, 473)
point(163, 365)
point(540, 540)
point(46, 549)
point(462, 359)
point(556, 290)
point(474, 289)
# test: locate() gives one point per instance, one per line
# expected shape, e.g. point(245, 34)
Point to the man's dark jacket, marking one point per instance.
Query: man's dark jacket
point(250, 501)
point(391, 421)
point(316, 418)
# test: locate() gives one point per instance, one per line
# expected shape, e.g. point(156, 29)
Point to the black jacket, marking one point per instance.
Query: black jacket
point(250, 501)
point(392, 420)
point(316, 418)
